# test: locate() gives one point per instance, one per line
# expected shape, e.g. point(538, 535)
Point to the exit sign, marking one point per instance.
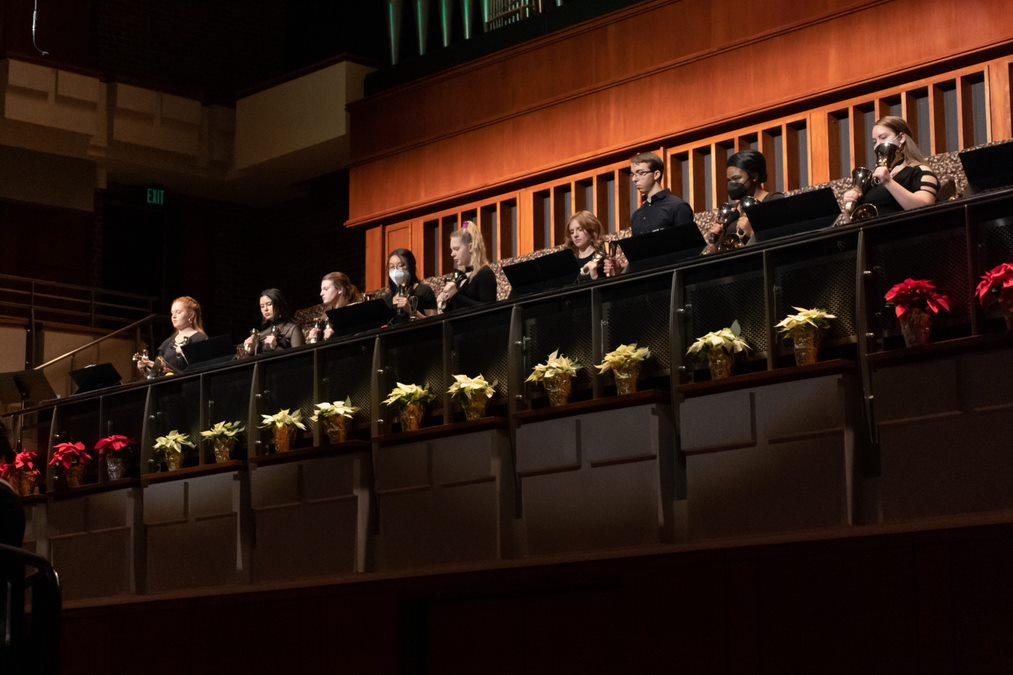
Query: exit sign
point(155, 196)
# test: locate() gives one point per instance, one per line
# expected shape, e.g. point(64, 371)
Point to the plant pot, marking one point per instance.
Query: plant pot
point(558, 389)
point(75, 475)
point(1006, 306)
point(475, 406)
point(173, 460)
point(222, 448)
point(116, 467)
point(807, 345)
point(283, 438)
point(720, 363)
point(916, 327)
point(336, 428)
point(411, 416)
point(25, 483)
point(626, 378)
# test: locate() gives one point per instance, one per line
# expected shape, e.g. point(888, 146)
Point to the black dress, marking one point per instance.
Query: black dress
point(479, 290)
point(912, 178)
point(584, 278)
point(425, 298)
point(288, 334)
point(167, 350)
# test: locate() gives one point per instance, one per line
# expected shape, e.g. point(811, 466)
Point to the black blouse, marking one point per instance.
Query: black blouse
point(479, 290)
point(426, 300)
point(167, 350)
point(288, 334)
point(912, 178)
point(584, 278)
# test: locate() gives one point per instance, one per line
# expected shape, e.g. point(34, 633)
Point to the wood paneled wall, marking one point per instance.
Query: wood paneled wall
point(662, 75)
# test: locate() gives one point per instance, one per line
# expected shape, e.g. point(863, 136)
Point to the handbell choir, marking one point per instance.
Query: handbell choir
point(901, 181)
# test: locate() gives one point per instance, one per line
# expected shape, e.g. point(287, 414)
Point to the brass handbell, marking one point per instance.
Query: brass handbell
point(862, 180)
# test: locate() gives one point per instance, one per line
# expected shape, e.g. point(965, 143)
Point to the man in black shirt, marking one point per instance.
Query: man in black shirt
point(661, 209)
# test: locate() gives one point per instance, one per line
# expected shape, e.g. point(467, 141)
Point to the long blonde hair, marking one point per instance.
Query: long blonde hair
point(913, 155)
point(469, 234)
point(194, 307)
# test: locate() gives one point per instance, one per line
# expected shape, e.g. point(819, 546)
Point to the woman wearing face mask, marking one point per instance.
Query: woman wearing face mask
point(477, 286)
point(746, 173)
point(336, 290)
point(188, 327)
point(277, 330)
point(410, 298)
point(588, 247)
point(905, 184)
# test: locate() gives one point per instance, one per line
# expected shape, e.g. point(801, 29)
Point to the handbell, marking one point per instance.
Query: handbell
point(862, 178)
point(728, 213)
point(886, 153)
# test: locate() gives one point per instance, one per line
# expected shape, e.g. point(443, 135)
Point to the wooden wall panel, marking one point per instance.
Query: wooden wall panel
point(604, 90)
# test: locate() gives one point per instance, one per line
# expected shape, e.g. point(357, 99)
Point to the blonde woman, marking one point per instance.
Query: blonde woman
point(336, 290)
point(477, 286)
point(908, 183)
point(188, 328)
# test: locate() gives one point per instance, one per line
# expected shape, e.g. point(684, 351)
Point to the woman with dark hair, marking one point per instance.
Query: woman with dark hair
point(746, 173)
point(408, 296)
point(336, 290)
point(277, 330)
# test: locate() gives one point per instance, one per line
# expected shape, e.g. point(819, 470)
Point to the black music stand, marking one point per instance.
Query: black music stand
point(211, 352)
point(988, 168)
point(361, 316)
point(543, 273)
point(662, 247)
point(25, 387)
point(802, 212)
point(95, 376)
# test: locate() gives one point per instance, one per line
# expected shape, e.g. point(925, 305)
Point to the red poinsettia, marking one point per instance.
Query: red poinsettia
point(5, 470)
point(69, 454)
point(25, 462)
point(917, 294)
point(114, 443)
point(995, 281)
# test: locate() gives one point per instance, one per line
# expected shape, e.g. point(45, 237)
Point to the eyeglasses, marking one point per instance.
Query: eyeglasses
point(642, 173)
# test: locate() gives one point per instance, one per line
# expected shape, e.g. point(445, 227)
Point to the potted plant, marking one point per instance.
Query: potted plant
point(806, 332)
point(114, 449)
point(720, 346)
point(22, 473)
point(223, 437)
point(624, 362)
point(334, 418)
point(915, 301)
point(72, 458)
point(411, 398)
point(473, 394)
point(996, 288)
point(556, 375)
point(284, 424)
point(168, 449)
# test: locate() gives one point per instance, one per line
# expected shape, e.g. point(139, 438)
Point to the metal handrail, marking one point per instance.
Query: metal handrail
point(30, 643)
point(96, 341)
point(76, 287)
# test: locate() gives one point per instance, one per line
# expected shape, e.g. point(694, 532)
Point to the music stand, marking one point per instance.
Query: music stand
point(662, 247)
point(543, 273)
point(802, 212)
point(988, 168)
point(210, 352)
point(361, 316)
point(95, 376)
point(24, 387)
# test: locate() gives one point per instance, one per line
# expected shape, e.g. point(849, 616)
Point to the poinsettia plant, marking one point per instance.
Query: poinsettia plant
point(283, 418)
point(113, 444)
point(24, 462)
point(994, 283)
point(69, 454)
point(554, 366)
point(805, 319)
point(725, 340)
point(919, 294)
point(623, 356)
point(334, 409)
point(464, 387)
point(403, 394)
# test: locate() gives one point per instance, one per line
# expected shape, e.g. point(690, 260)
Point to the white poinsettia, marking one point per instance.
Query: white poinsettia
point(334, 409)
point(172, 442)
point(726, 340)
point(554, 366)
point(403, 394)
point(467, 387)
point(806, 318)
point(223, 430)
point(622, 357)
point(283, 418)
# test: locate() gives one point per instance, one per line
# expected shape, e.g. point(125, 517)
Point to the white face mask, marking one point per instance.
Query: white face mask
point(399, 277)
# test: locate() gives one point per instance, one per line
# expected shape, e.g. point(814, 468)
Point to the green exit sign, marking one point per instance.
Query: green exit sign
point(155, 196)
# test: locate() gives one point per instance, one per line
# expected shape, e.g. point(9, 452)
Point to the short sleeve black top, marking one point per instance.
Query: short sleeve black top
point(912, 178)
point(426, 300)
point(661, 210)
